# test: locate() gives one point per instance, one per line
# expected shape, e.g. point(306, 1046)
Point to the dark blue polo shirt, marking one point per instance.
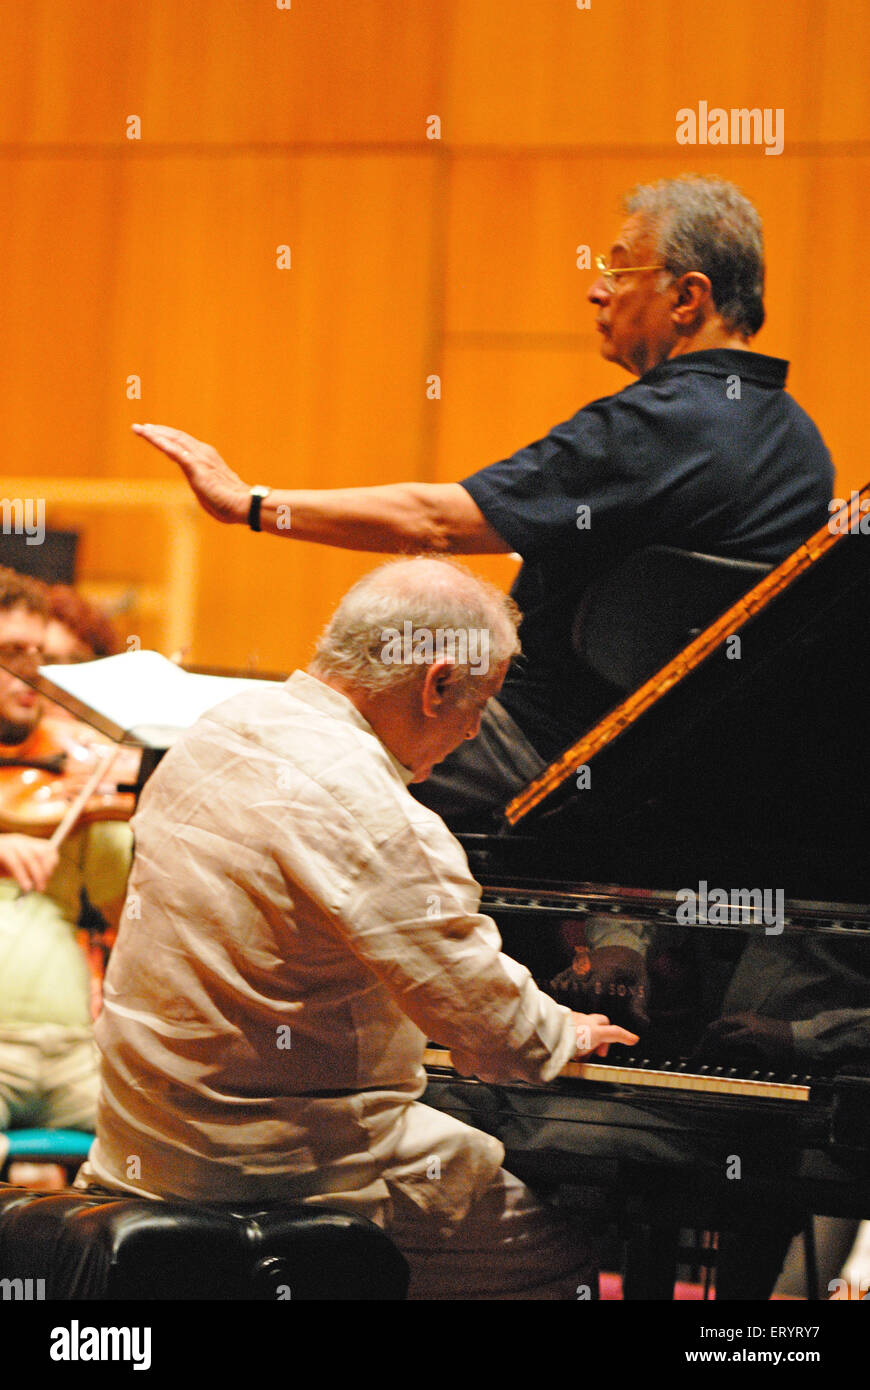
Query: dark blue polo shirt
point(705, 452)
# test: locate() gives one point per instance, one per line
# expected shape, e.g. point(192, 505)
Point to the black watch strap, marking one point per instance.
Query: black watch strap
point(257, 495)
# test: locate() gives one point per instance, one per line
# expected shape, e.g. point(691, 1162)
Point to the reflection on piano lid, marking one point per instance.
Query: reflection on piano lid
point(744, 912)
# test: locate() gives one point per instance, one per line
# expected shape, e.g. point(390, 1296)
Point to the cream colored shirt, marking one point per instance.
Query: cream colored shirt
point(296, 926)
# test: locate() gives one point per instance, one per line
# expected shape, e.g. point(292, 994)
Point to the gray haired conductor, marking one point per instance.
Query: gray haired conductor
point(303, 926)
point(704, 450)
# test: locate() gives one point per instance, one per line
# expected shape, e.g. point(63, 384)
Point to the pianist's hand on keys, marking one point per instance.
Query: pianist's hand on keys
point(595, 1033)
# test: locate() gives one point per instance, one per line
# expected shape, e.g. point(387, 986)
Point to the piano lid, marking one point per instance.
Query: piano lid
point(747, 751)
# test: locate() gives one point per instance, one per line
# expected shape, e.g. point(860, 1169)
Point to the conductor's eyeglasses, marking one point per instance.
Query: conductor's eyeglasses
point(609, 274)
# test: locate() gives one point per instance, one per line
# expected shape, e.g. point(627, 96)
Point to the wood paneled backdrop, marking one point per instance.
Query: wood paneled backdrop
point(307, 126)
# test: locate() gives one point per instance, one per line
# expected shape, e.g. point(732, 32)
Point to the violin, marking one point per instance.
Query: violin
point(42, 779)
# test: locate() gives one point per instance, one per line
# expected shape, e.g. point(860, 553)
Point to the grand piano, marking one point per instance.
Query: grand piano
point(719, 810)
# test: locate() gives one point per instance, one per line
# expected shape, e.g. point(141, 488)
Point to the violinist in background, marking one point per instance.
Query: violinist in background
point(76, 630)
point(48, 1061)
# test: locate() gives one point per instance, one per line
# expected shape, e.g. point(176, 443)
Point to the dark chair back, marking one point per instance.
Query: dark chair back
point(630, 623)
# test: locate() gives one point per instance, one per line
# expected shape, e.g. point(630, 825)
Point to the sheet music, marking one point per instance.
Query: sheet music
point(139, 695)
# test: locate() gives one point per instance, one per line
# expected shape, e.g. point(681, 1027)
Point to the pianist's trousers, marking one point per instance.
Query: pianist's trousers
point(468, 1229)
point(510, 1246)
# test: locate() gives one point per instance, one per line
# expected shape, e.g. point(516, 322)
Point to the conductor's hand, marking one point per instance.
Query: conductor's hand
point(30, 861)
point(595, 1033)
point(218, 489)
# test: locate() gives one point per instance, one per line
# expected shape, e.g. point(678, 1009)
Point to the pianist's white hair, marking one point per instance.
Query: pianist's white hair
point(429, 592)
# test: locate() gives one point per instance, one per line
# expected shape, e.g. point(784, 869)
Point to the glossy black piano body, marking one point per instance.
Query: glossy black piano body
point(749, 771)
point(653, 1163)
point(753, 767)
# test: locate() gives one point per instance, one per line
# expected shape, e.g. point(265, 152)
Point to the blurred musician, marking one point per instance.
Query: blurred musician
point(76, 629)
point(48, 1060)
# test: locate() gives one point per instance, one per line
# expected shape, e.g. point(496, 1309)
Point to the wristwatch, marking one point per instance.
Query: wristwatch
point(257, 495)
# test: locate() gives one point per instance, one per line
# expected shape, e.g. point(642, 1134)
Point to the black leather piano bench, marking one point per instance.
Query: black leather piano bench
point(99, 1247)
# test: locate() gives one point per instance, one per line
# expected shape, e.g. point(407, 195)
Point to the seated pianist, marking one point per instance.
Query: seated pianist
point(297, 926)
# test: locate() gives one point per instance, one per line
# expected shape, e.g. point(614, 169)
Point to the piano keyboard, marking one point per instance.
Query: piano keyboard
point(711, 1080)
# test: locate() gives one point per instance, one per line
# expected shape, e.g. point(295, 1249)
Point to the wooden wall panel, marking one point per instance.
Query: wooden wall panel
point(840, 58)
point(410, 257)
point(310, 376)
point(313, 376)
point(56, 240)
point(547, 74)
point(831, 369)
point(223, 72)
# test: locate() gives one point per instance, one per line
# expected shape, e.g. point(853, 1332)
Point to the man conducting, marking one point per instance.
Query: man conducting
point(298, 925)
point(705, 451)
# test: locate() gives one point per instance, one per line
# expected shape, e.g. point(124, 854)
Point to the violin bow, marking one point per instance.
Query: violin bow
point(75, 808)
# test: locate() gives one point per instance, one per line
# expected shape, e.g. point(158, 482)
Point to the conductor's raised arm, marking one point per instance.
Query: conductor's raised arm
point(395, 517)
